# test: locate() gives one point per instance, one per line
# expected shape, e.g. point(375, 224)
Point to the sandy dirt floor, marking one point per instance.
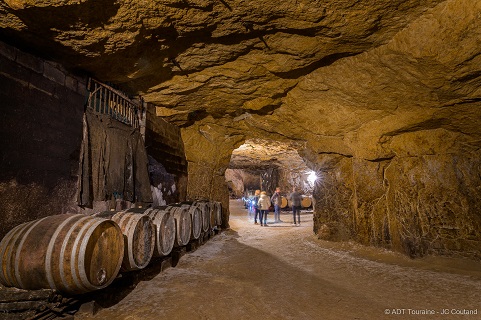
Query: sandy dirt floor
point(285, 272)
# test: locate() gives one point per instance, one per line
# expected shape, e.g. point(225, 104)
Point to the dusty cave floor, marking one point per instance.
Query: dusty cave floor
point(285, 272)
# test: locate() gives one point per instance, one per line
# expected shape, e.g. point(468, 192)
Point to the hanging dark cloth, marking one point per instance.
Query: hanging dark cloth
point(113, 162)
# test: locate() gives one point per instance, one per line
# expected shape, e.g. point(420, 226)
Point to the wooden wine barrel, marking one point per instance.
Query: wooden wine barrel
point(212, 221)
point(165, 229)
point(183, 226)
point(139, 239)
point(306, 202)
point(204, 208)
point(283, 202)
point(139, 236)
point(196, 220)
point(217, 212)
point(71, 253)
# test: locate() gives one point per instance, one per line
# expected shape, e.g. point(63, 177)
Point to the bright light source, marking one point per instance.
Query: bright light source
point(312, 177)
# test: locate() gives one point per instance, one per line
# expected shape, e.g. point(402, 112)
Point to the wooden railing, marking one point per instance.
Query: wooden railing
point(107, 100)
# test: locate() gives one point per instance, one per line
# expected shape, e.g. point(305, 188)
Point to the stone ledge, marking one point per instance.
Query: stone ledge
point(81, 87)
point(71, 83)
point(7, 51)
point(29, 61)
point(53, 73)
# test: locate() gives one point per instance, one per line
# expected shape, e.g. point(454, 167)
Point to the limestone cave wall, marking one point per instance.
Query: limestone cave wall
point(423, 200)
point(208, 149)
point(289, 178)
point(240, 181)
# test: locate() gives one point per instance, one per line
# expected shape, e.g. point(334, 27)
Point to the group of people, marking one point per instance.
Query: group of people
point(261, 204)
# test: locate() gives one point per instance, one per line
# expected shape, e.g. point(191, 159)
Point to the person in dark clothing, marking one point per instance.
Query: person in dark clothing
point(296, 199)
point(276, 201)
point(255, 205)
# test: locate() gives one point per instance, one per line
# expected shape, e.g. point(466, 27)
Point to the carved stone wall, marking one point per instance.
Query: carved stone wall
point(42, 107)
point(423, 200)
point(208, 149)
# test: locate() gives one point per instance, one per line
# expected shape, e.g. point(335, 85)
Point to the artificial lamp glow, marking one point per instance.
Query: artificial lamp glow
point(312, 177)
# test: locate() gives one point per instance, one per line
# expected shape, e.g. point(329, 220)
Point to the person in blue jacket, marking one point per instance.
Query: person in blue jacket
point(255, 206)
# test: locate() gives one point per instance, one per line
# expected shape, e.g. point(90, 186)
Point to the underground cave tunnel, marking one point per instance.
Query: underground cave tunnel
point(174, 110)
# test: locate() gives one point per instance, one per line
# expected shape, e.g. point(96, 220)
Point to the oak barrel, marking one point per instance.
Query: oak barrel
point(217, 212)
point(204, 208)
point(165, 229)
point(306, 202)
point(283, 202)
point(212, 209)
point(72, 253)
point(139, 239)
point(196, 220)
point(183, 226)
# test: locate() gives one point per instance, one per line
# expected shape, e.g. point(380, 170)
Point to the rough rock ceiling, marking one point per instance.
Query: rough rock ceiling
point(343, 76)
point(262, 154)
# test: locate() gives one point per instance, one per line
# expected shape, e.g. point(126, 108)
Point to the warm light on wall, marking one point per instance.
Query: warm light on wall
point(312, 177)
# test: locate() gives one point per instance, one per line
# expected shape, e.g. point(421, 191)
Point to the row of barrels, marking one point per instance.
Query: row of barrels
point(306, 202)
point(76, 253)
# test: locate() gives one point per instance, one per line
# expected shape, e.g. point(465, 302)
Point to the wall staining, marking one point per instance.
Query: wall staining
point(113, 162)
point(41, 132)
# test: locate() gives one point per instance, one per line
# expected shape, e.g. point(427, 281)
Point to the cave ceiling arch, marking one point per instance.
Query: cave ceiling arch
point(342, 76)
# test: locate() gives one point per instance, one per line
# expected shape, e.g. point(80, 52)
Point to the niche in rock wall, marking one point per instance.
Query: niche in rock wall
point(167, 162)
point(163, 184)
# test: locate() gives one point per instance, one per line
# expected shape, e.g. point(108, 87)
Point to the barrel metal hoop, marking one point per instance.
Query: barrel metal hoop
point(129, 233)
point(13, 236)
point(6, 265)
point(171, 234)
point(19, 249)
point(154, 215)
point(119, 216)
point(72, 254)
point(48, 255)
point(152, 245)
point(187, 222)
point(149, 210)
point(83, 247)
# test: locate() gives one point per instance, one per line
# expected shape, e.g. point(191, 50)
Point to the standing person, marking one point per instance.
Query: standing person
point(276, 201)
point(255, 206)
point(264, 204)
point(296, 199)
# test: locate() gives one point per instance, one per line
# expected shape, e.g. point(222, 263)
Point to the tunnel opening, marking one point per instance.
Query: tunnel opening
point(265, 165)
